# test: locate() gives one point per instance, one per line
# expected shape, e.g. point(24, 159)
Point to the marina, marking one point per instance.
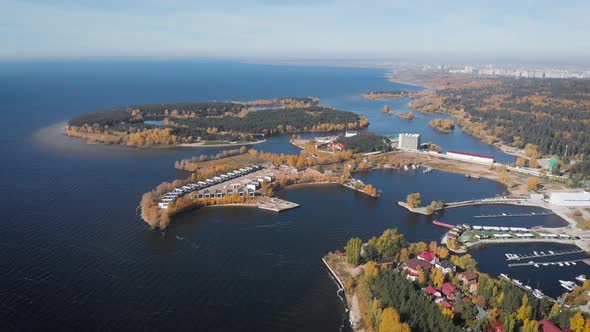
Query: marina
point(535, 291)
point(535, 254)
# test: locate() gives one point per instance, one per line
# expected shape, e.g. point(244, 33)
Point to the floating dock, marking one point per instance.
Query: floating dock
point(561, 264)
point(531, 214)
point(440, 223)
point(516, 257)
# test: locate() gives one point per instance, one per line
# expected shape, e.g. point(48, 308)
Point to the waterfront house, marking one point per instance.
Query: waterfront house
point(413, 267)
point(469, 280)
point(446, 266)
point(427, 256)
point(253, 186)
point(449, 290)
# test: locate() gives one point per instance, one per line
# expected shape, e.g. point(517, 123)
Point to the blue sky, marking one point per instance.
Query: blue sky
point(294, 29)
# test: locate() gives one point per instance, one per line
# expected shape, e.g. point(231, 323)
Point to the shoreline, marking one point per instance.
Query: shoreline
point(205, 145)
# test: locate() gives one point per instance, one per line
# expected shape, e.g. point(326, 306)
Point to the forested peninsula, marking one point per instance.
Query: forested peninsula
point(208, 122)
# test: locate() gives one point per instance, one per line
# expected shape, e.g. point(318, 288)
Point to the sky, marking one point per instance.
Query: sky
point(372, 29)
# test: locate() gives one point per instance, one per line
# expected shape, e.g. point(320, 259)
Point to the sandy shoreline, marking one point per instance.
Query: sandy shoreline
point(204, 145)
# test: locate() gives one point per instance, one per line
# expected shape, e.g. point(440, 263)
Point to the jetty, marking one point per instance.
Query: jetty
point(560, 263)
point(504, 215)
point(517, 257)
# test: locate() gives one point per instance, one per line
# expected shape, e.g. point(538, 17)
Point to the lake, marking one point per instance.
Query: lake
point(75, 256)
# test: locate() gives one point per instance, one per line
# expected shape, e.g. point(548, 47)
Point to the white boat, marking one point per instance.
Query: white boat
point(573, 263)
point(560, 264)
point(528, 287)
point(567, 263)
point(581, 278)
point(545, 264)
point(551, 252)
point(536, 265)
point(503, 275)
point(406, 167)
point(538, 294)
point(428, 170)
point(516, 281)
point(568, 287)
point(542, 253)
point(503, 214)
point(536, 254)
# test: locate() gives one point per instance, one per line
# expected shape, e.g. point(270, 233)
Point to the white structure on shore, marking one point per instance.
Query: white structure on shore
point(579, 198)
point(409, 141)
point(350, 133)
point(472, 157)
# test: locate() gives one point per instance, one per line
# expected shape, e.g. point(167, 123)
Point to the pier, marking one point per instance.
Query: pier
point(538, 264)
point(515, 257)
point(501, 215)
point(485, 201)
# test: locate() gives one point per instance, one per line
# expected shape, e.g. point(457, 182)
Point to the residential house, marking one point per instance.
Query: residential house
point(413, 267)
point(469, 280)
point(449, 290)
point(427, 256)
point(446, 266)
point(432, 291)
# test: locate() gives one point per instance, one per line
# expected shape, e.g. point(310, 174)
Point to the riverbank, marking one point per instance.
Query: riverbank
point(342, 271)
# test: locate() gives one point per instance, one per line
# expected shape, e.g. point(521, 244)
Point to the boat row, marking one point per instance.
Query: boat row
point(536, 292)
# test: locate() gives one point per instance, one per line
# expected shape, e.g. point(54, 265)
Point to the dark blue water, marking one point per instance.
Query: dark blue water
point(75, 257)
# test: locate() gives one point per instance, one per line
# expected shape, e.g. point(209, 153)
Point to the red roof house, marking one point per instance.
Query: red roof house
point(497, 326)
point(449, 290)
point(431, 291)
point(548, 326)
point(447, 304)
point(413, 266)
point(428, 256)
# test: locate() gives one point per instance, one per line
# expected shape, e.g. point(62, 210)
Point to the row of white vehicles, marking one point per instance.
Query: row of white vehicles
point(172, 195)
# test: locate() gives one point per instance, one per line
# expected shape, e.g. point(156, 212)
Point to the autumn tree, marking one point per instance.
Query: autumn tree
point(353, 251)
point(414, 200)
point(577, 322)
point(437, 277)
point(532, 183)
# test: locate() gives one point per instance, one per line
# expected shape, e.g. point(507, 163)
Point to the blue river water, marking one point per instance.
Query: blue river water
point(75, 256)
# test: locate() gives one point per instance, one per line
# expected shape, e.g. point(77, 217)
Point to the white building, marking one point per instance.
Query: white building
point(350, 133)
point(472, 157)
point(579, 198)
point(409, 141)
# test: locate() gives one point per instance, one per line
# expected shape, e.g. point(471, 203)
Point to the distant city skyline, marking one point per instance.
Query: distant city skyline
point(468, 31)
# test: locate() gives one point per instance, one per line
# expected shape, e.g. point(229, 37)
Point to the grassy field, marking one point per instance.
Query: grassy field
point(238, 161)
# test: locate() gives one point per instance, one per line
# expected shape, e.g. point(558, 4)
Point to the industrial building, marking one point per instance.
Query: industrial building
point(579, 198)
point(472, 157)
point(409, 141)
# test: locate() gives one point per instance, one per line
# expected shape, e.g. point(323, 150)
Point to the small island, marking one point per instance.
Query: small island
point(444, 125)
point(387, 95)
point(209, 123)
point(405, 115)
